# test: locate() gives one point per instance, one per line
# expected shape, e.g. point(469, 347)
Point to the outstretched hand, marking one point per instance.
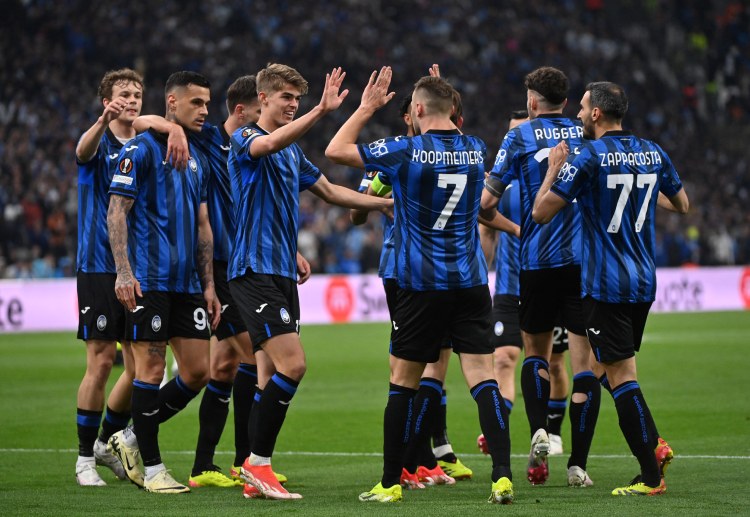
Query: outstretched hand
point(331, 98)
point(376, 93)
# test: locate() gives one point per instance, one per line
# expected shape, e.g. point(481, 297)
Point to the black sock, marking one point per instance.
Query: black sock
point(245, 383)
point(652, 425)
point(493, 419)
point(426, 403)
point(173, 397)
point(632, 412)
point(535, 390)
point(440, 429)
point(583, 417)
point(145, 408)
point(271, 414)
point(252, 422)
point(604, 381)
point(396, 428)
point(556, 414)
point(212, 416)
point(113, 422)
point(87, 423)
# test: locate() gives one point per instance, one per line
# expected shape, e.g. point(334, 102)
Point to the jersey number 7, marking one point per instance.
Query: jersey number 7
point(459, 180)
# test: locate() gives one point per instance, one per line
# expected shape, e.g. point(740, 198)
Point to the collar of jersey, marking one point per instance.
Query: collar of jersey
point(618, 132)
point(443, 132)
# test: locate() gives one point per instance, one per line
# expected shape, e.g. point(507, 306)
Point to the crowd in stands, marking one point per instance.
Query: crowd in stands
point(685, 65)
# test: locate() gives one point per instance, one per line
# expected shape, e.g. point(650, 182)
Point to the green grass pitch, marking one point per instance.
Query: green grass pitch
point(693, 370)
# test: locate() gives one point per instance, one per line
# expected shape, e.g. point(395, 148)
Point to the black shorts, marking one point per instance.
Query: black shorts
point(615, 330)
point(506, 331)
point(422, 318)
point(268, 304)
point(390, 285)
point(231, 322)
point(100, 315)
point(559, 340)
point(160, 316)
point(550, 297)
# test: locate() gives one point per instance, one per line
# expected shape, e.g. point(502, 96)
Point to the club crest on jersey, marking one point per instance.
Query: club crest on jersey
point(125, 166)
point(284, 315)
point(156, 323)
point(101, 322)
point(193, 164)
point(499, 328)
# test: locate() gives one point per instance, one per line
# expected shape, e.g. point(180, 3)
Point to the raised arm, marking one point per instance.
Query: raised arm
point(343, 146)
point(89, 142)
point(127, 286)
point(289, 133)
point(178, 152)
point(205, 259)
point(342, 196)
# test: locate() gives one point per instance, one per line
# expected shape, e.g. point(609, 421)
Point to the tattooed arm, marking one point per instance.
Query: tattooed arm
point(126, 285)
point(206, 266)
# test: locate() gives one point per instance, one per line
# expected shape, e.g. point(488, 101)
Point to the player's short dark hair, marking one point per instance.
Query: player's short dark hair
point(275, 76)
point(123, 76)
point(184, 79)
point(243, 90)
point(610, 98)
point(458, 107)
point(550, 83)
point(404, 105)
point(439, 93)
point(519, 114)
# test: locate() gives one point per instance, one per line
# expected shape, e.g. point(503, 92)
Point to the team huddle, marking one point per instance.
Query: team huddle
point(188, 237)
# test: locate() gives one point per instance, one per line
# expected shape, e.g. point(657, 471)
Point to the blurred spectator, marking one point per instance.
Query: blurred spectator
point(685, 66)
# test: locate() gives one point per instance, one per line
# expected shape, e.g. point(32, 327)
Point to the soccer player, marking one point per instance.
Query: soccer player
point(233, 365)
point(102, 318)
point(506, 332)
point(268, 170)
point(550, 274)
point(618, 180)
point(436, 179)
point(422, 465)
point(160, 276)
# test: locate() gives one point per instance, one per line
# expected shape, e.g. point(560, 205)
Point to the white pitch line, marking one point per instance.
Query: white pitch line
point(378, 454)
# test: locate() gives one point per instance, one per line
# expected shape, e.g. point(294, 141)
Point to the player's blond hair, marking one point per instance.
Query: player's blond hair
point(274, 77)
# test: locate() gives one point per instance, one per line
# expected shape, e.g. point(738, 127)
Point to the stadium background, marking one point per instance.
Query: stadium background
point(684, 64)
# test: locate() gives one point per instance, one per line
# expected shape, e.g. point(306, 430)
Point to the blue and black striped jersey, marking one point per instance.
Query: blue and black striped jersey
point(266, 202)
point(437, 183)
point(387, 265)
point(523, 156)
point(616, 180)
point(94, 178)
point(163, 229)
point(213, 142)
point(508, 254)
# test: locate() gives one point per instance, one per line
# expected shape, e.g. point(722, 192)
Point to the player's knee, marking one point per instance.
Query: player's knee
point(224, 371)
point(296, 371)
